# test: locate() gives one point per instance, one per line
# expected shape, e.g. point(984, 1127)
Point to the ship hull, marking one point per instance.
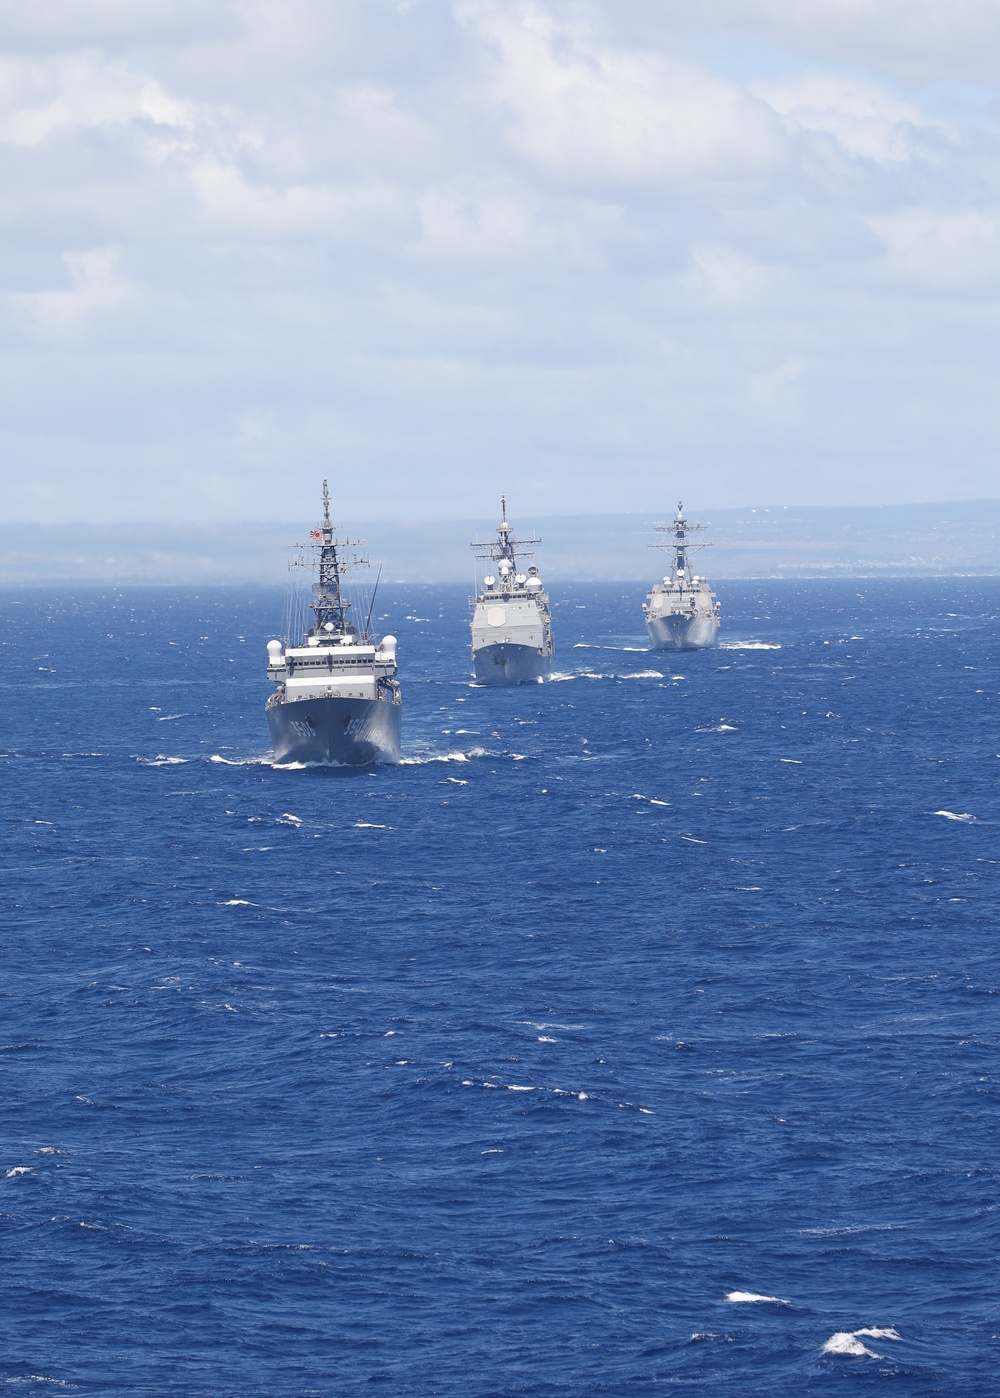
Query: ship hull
point(682, 632)
point(348, 732)
point(507, 663)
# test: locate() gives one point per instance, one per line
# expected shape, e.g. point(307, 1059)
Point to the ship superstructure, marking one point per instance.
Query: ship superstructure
point(511, 621)
point(682, 612)
point(338, 700)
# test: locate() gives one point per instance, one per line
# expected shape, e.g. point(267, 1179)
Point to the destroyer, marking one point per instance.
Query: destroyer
point(681, 612)
point(337, 698)
point(511, 623)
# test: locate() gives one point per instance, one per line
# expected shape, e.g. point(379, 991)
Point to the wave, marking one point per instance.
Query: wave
point(427, 758)
point(625, 675)
point(849, 1341)
point(554, 1091)
point(637, 650)
point(749, 645)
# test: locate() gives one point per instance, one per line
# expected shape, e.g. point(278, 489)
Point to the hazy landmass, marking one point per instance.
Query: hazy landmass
point(765, 541)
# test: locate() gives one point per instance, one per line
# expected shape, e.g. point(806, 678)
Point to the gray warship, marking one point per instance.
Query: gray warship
point(511, 622)
point(338, 700)
point(682, 612)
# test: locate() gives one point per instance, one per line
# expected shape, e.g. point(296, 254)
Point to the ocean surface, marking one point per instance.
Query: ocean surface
point(637, 1034)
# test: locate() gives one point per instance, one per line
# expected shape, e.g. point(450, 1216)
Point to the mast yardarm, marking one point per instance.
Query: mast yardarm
point(679, 543)
point(506, 549)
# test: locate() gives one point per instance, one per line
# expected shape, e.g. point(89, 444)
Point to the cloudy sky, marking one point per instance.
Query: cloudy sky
point(598, 253)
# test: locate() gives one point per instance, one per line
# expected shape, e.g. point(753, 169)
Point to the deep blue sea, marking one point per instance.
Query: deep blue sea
point(637, 1034)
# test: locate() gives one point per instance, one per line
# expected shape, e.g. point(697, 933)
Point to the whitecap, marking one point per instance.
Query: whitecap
point(749, 645)
point(238, 903)
point(849, 1342)
point(368, 825)
point(955, 815)
point(753, 1298)
point(288, 819)
point(642, 675)
point(445, 757)
point(161, 761)
point(19, 1170)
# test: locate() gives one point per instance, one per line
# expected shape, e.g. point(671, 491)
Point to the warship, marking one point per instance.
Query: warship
point(338, 700)
point(681, 612)
point(511, 623)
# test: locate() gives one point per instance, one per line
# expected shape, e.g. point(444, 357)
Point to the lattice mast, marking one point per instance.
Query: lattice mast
point(679, 529)
point(329, 605)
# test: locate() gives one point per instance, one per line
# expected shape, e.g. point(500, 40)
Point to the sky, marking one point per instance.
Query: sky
point(598, 254)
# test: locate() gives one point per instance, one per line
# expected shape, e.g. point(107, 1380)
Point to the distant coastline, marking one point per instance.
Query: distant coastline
point(949, 539)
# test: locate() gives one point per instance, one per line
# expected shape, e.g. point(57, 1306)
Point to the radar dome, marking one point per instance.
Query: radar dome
point(388, 645)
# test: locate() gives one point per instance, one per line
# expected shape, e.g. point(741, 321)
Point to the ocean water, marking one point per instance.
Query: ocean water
point(636, 1034)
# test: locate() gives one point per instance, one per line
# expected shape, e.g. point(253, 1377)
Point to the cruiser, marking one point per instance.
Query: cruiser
point(337, 698)
point(681, 612)
point(511, 623)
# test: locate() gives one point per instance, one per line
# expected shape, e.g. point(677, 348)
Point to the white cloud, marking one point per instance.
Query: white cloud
point(863, 118)
point(581, 109)
point(544, 235)
point(98, 293)
point(79, 90)
point(944, 251)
